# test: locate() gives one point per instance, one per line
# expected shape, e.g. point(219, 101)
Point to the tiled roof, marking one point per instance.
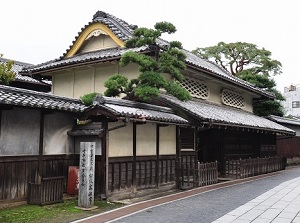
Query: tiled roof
point(138, 110)
point(17, 67)
point(222, 115)
point(118, 107)
point(28, 98)
point(90, 57)
point(283, 120)
point(124, 31)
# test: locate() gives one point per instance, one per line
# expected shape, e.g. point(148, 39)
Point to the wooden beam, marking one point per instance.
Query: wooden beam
point(41, 148)
point(177, 163)
point(134, 158)
point(157, 157)
point(104, 159)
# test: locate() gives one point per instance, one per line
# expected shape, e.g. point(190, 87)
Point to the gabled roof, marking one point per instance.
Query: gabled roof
point(115, 107)
point(285, 120)
point(34, 99)
point(216, 115)
point(123, 31)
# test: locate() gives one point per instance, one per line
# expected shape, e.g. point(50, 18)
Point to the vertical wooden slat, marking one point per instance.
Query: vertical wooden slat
point(120, 175)
point(151, 175)
point(13, 181)
point(112, 176)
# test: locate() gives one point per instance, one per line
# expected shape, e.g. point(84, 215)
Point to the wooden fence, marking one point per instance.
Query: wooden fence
point(149, 172)
point(49, 191)
point(201, 174)
point(16, 172)
point(252, 167)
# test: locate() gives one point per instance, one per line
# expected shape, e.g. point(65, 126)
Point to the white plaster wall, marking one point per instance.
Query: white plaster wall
point(102, 73)
point(97, 43)
point(63, 84)
point(146, 140)
point(20, 130)
point(214, 92)
point(120, 140)
point(56, 140)
point(248, 103)
point(83, 82)
point(167, 140)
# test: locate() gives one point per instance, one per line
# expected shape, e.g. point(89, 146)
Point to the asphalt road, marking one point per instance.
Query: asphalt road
point(209, 206)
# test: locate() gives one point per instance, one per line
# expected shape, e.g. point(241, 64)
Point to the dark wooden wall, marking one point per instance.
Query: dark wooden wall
point(17, 171)
point(289, 147)
point(149, 172)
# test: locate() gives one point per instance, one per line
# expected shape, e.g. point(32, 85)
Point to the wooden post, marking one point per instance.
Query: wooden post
point(177, 162)
point(134, 158)
point(104, 159)
point(38, 179)
point(157, 156)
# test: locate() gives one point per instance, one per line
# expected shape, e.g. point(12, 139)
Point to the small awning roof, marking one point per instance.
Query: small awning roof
point(121, 109)
point(285, 120)
point(219, 115)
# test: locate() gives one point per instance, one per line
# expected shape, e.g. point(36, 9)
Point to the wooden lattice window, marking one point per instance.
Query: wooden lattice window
point(196, 88)
point(233, 99)
point(187, 138)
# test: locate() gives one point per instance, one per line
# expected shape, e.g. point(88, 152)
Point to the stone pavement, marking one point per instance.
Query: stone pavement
point(143, 205)
point(279, 205)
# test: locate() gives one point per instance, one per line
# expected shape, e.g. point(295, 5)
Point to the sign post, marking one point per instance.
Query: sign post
point(86, 175)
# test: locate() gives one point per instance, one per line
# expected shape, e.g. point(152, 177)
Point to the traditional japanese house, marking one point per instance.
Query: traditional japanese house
point(218, 123)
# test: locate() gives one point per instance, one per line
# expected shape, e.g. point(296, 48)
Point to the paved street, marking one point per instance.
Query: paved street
point(270, 199)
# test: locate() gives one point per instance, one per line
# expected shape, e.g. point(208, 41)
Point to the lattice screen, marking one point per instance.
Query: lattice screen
point(233, 99)
point(196, 88)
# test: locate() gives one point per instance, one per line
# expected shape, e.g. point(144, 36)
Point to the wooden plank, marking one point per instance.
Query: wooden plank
point(14, 181)
point(7, 181)
point(2, 175)
point(120, 176)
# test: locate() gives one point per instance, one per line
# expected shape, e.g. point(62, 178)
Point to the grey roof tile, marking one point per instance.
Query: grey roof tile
point(224, 115)
point(17, 67)
point(28, 98)
point(284, 120)
point(132, 109)
point(124, 31)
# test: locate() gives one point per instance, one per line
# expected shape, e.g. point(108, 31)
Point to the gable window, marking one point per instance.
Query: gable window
point(233, 99)
point(196, 88)
point(296, 104)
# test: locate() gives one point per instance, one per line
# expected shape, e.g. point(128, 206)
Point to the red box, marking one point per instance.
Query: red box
point(73, 180)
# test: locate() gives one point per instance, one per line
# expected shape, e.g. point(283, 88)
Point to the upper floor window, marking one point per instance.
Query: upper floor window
point(197, 89)
point(233, 99)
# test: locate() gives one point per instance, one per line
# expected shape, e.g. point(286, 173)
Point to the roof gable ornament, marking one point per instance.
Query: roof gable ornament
point(99, 100)
point(99, 14)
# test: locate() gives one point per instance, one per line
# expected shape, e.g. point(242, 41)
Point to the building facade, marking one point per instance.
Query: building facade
point(142, 143)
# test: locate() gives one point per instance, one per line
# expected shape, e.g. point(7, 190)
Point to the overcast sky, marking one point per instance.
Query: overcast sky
point(37, 31)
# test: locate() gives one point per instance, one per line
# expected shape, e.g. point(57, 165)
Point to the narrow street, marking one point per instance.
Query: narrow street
point(209, 206)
